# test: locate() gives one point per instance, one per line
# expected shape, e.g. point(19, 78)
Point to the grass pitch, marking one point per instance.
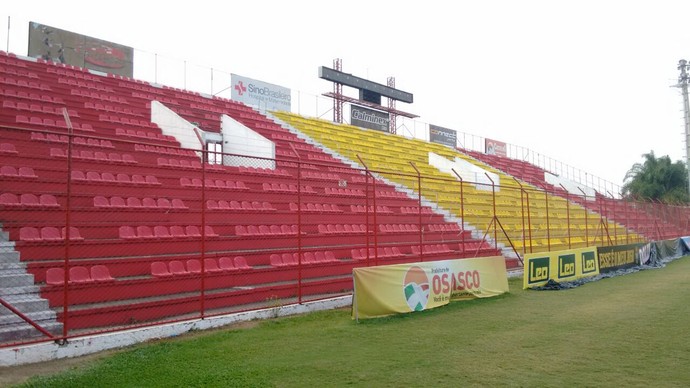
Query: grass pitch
point(629, 331)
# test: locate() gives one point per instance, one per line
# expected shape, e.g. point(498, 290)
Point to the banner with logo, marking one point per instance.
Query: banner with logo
point(261, 94)
point(560, 266)
point(403, 288)
point(61, 46)
point(616, 257)
point(495, 147)
point(369, 118)
point(443, 136)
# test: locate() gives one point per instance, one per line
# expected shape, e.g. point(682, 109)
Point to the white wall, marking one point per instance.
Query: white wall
point(467, 171)
point(174, 125)
point(570, 186)
point(241, 140)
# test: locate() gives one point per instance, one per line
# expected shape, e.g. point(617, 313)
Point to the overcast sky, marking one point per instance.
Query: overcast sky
point(585, 82)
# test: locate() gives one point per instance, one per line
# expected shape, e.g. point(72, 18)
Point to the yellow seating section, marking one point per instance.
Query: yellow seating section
point(520, 209)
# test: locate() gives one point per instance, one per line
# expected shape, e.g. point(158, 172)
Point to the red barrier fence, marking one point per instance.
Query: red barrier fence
point(102, 234)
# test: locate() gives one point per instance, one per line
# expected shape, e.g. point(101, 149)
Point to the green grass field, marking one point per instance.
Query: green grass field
point(632, 330)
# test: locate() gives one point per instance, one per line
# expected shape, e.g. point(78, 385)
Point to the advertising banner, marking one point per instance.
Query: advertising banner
point(443, 136)
point(620, 256)
point(56, 45)
point(560, 266)
point(369, 118)
point(260, 94)
point(495, 147)
point(403, 288)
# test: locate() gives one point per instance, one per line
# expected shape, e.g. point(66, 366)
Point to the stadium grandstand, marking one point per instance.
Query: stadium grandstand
point(128, 204)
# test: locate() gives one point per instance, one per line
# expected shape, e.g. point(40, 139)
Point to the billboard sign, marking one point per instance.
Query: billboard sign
point(404, 288)
point(443, 136)
point(369, 118)
point(560, 266)
point(495, 147)
point(56, 45)
point(260, 94)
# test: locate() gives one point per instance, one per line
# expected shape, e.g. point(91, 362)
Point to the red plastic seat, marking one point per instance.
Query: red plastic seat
point(275, 230)
point(226, 264)
point(308, 258)
point(30, 200)
point(288, 259)
point(55, 276)
point(144, 231)
point(127, 232)
point(79, 274)
point(276, 260)
point(117, 202)
point(149, 203)
point(241, 263)
point(320, 257)
point(178, 204)
point(9, 199)
point(285, 230)
point(73, 233)
point(163, 203)
point(211, 266)
point(264, 230)
point(28, 233)
point(9, 171)
point(100, 273)
point(176, 267)
point(329, 257)
point(177, 231)
point(133, 202)
point(50, 233)
point(192, 231)
point(253, 230)
point(159, 269)
point(209, 232)
point(194, 266)
point(161, 231)
point(241, 230)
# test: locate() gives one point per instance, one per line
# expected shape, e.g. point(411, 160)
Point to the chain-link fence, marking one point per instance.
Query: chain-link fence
point(104, 233)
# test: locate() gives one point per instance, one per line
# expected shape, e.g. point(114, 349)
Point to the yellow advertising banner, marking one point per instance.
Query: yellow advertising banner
point(403, 288)
point(560, 266)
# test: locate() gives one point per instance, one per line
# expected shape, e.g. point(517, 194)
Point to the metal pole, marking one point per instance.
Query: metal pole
point(683, 81)
point(8, 35)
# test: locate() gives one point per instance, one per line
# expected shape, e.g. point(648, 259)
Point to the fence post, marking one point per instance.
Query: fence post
point(462, 210)
point(584, 195)
point(366, 211)
point(68, 224)
point(548, 223)
point(567, 212)
point(299, 224)
point(493, 203)
point(204, 156)
point(419, 203)
point(529, 220)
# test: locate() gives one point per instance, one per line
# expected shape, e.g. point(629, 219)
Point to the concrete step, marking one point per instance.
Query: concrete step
point(24, 331)
point(16, 279)
point(12, 267)
point(19, 290)
point(26, 303)
point(38, 316)
point(8, 254)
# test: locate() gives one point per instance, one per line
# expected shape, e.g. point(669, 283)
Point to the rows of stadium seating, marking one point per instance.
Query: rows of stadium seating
point(135, 200)
point(534, 220)
point(643, 222)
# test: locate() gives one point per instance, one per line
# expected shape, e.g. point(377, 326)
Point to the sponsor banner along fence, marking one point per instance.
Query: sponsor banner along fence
point(495, 147)
point(259, 93)
point(560, 266)
point(617, 257)
point(403, 288)
point(442, 135)
point(369, 118)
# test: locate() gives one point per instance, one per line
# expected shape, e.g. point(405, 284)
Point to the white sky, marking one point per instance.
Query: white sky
point(585, 82)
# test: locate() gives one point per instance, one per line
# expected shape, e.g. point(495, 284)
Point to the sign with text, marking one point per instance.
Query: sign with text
point(403, 288)
point(56, 45)
point(560, 266)
point(260, 94)
point(443, 136)
point(495, 147)
point(369, 118)
point(619, 256)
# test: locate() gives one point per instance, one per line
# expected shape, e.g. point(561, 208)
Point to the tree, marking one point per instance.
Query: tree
point(657, 179)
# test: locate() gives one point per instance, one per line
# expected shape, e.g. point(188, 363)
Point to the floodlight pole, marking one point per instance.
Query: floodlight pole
point(683, 81)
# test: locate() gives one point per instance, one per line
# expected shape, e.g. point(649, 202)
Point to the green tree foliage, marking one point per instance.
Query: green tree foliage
point(657, 179)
